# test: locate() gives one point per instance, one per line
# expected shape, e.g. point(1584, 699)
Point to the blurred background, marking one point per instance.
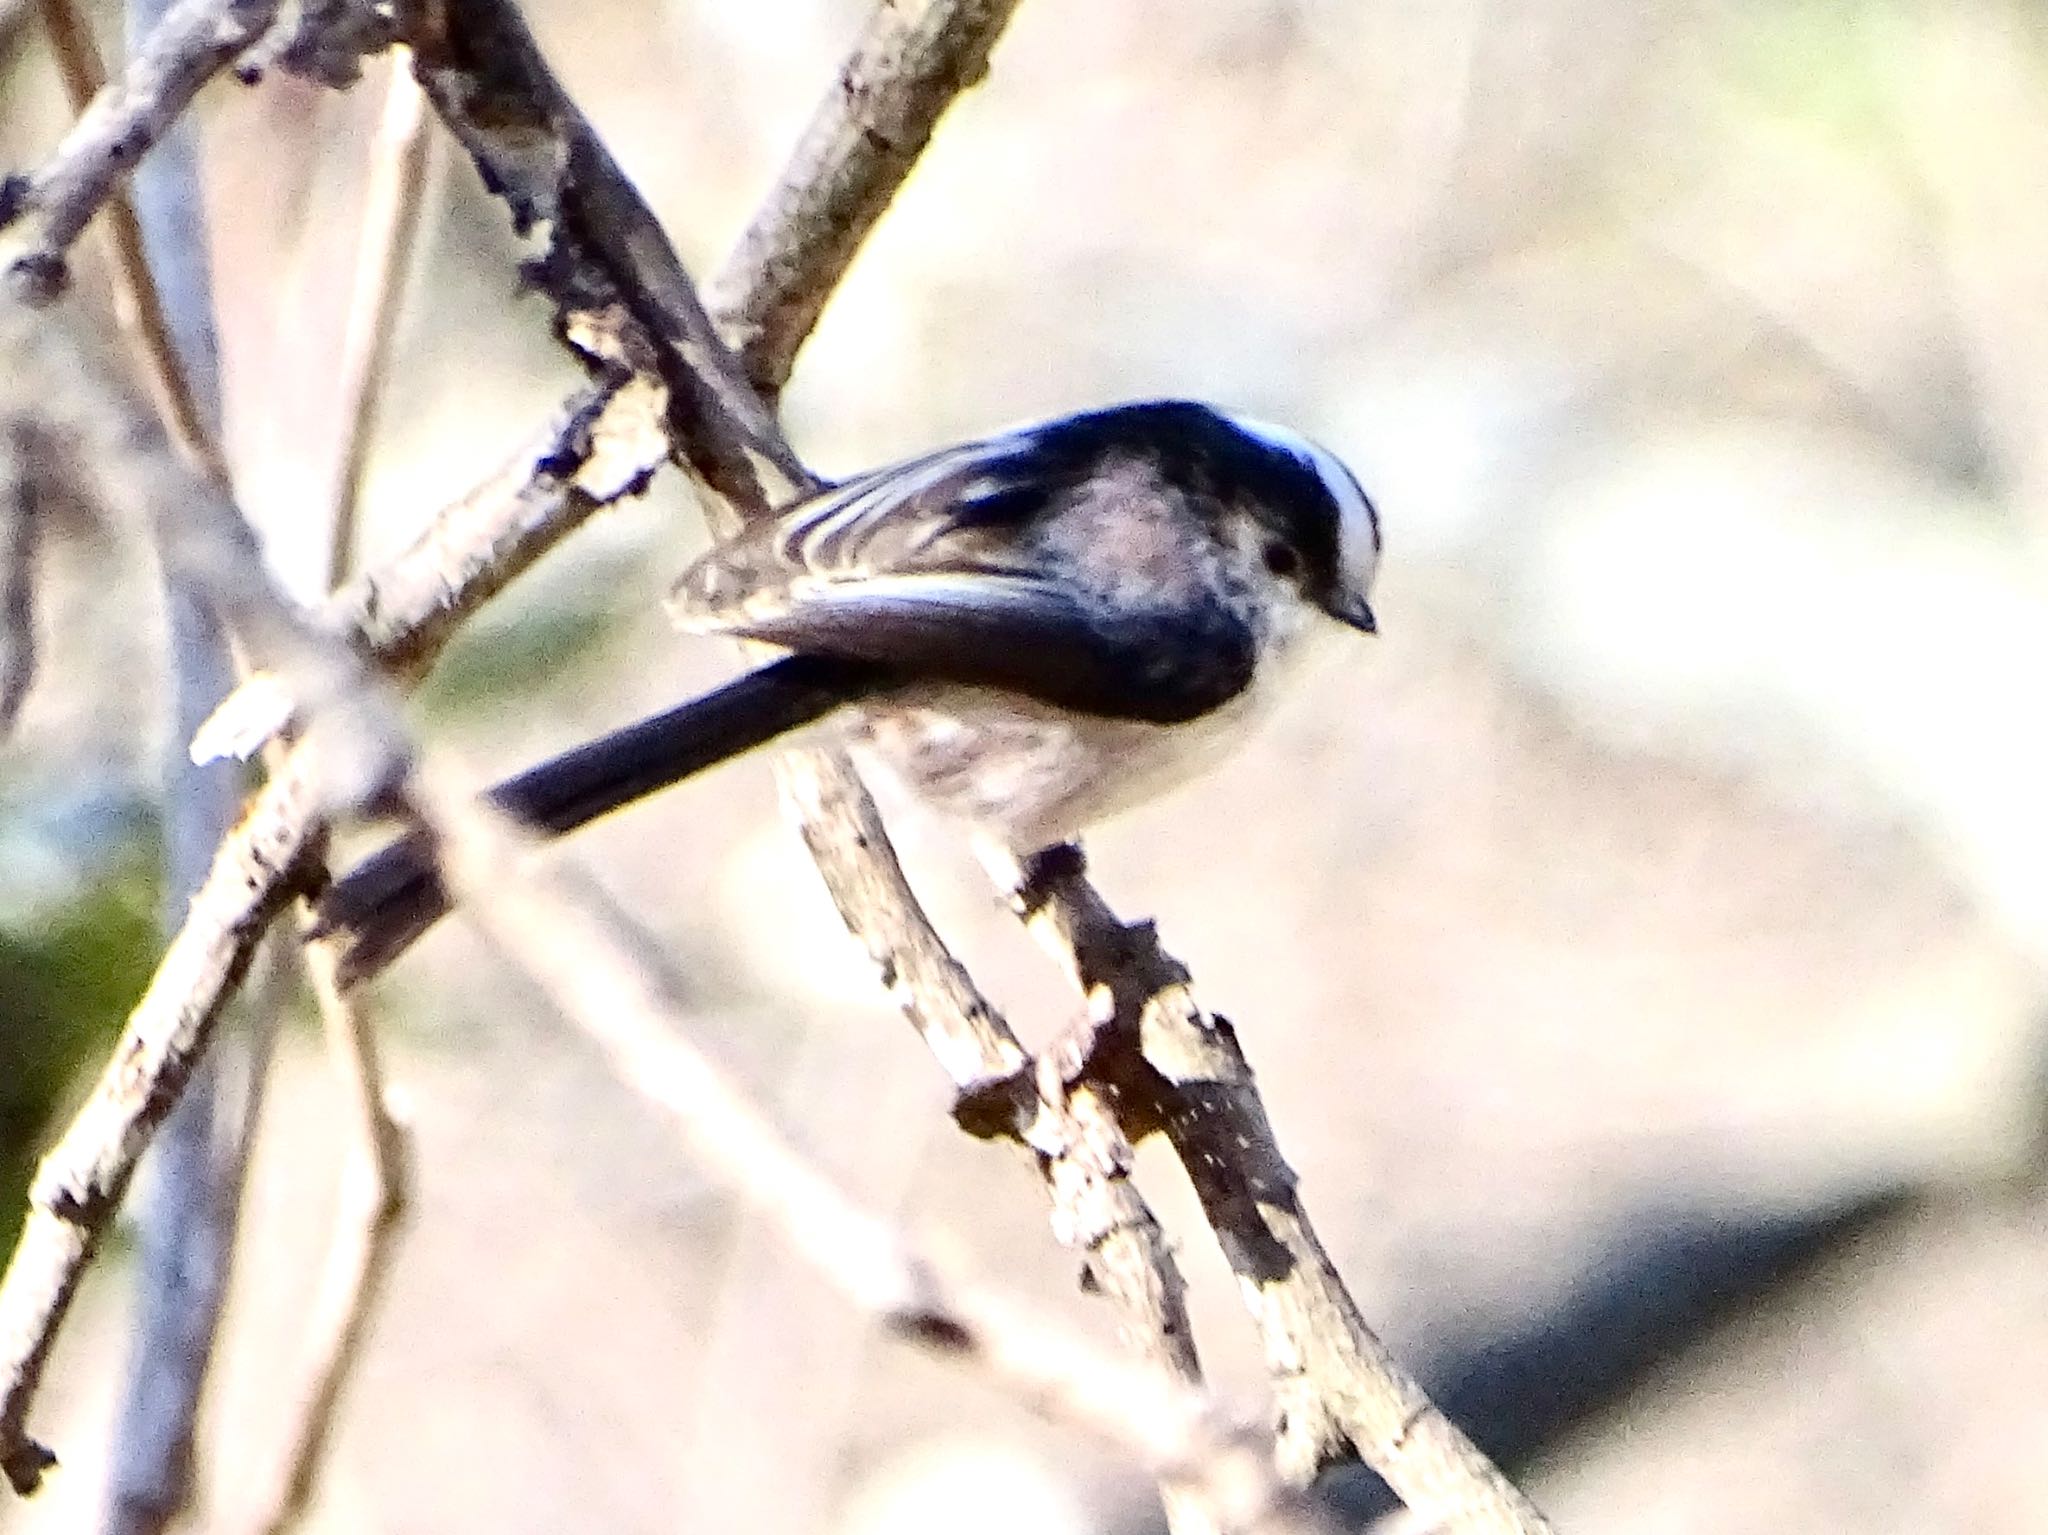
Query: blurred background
point(1643, 962)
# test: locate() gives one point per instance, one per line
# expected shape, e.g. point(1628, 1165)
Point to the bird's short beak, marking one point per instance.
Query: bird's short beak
point(1353, 611)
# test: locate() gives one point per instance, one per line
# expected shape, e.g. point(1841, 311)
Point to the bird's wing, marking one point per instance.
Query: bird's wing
point(931, 568)
point(925, 513)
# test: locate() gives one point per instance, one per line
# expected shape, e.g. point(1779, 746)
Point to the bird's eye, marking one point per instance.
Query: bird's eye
point(1282, 559)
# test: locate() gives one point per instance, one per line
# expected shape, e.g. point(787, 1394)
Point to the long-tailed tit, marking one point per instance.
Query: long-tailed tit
point(1030, 631)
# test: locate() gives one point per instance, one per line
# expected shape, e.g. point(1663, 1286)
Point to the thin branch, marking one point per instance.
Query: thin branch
point(375, 1193)
point(606, 259)
point(376, 1180)
point(608, 441)
point(137, 300)
point(81, 1181)
point(488, 74)
point(276, 821)
point(345, 759)
point(26, 459)
point(270, 854)
point(209, 533)
point(909, 66)
point(1427, 1459)
point(844, 833)
point(484, 74)
point(610, 979)
point(1339, 1389)
point(384, 246)
point(604, 444)
point(187, 1224)
point(871, 125)
point(1175, 1065)
point(400, 615)
point(197, 40)
point(1081, 1152)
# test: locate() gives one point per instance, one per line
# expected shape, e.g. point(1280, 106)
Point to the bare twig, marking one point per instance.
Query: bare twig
point(208, 531)
point(346, 755)
point(909, 66)
point(605, 252)
point(187, 1223)
point(608, 442)
point(196, 40)
point(1177, 1066)
point(24, 461)
point(614, 305)
point(485, 76)
point(1081, 1152)
point(609, 979)
point(1339, 1389)
point(136, 293)
point(868, 130)
point(603, 445)
point(844, 832)
point(1422, 1455)
point(209, 550)
point(384, 244)
point(80, 1182)
point(255, 872)
point(374, 1194)
point(376, 1182)
point(1084, 1158)
point(401, 615)
point(185, 1218)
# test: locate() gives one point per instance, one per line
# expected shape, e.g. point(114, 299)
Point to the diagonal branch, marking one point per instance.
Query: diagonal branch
point(603, 251)
point(28, 462)
point(196, 40)
point(267, 858)
point(80, 1183)
point(1334, 1377)
point(163, 286)
point(645, 334)
point(607, 977)
point(605, 443)
point(905, 74)
point(485, 70)
point(861, 142)
point(1178, 1066)
point(407, 612)
point(486, 76)
point(376, 1176)
point(1081, 1152)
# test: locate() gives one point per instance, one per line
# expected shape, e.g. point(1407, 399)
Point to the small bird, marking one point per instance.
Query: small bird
point(1031, 631)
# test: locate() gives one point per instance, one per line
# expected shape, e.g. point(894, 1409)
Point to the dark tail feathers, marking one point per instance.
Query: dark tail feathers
point(378, 908)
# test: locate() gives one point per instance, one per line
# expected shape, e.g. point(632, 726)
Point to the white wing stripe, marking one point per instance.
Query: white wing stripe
point(812, 541)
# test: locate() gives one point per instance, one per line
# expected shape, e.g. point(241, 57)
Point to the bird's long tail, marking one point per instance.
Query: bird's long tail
point(378, 908)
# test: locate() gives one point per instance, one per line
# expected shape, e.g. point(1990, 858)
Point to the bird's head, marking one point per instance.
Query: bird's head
point(1321, 530)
